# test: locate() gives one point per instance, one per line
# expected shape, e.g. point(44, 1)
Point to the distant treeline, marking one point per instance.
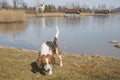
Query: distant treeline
point(21, 4)
point(5, 4)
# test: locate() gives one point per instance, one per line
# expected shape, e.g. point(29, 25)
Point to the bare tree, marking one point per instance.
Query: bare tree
point(111, 7)
point(50, 8)
point(102, 7)
point(85, 8)
point(23, 4)
point(16, 3)
point(74, 5)
point(61, 8)
point(94, 8)
point(36, 2)
point(4, 4)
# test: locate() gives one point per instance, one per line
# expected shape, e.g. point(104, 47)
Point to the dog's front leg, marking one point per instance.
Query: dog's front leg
point(50, 72)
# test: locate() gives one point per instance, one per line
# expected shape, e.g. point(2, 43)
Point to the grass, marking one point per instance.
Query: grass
point(18, 64)
point(56, 14)
point(12, 16)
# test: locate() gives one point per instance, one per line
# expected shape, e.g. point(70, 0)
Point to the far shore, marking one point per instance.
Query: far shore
point(58, 14)
point(19, 16)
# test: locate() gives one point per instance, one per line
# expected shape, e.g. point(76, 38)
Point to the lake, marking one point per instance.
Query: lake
point(87, 34)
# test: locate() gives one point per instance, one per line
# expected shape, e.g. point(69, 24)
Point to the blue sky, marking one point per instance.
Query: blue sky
point(90, 3)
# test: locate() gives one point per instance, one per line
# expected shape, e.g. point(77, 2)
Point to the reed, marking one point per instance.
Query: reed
point(12, 16)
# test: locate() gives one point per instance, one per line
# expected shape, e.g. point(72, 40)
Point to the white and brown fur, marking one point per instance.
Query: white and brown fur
point(46, 54)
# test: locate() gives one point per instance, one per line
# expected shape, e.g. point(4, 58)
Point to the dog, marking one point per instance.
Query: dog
point(46, 54)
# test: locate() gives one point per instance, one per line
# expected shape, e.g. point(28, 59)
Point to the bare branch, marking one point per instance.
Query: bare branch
point(16, 3)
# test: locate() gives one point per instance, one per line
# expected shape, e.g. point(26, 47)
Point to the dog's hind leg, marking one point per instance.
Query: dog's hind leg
point(60, 57)
point(58, 52)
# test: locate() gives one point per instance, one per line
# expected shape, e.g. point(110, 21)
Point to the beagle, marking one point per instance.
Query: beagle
point(46, 54)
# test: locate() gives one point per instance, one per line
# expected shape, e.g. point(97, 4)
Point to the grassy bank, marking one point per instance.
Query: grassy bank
point(16, 64)
point(46, 15)
point(55, 14)
point(58, 14)
point(12, 16)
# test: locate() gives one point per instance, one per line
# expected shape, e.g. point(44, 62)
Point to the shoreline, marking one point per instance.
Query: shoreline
point(19, 49)
point(71, 54)
point(57, 14)
point(24, 16)
point(16, 63)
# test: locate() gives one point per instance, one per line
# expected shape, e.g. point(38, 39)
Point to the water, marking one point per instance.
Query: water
point(88, 34)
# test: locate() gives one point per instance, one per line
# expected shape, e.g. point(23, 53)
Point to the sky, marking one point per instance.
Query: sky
point(90, 3)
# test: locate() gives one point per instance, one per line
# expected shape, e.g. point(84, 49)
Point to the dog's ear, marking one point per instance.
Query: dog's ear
point(40, 60)
point(52, 59)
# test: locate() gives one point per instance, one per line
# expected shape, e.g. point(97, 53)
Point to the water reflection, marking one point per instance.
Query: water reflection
point(13, 28)
point(43, 22)
point(72, 21)
point(101, 19)
point(88, 34)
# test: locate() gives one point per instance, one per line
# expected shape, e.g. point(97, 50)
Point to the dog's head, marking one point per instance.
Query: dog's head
point(45, 61)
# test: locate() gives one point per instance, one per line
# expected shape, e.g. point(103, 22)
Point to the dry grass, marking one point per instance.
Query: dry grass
point(46, 15)
point(12, 16)
point(18, 64)
point(51, 14)
point(57, 14)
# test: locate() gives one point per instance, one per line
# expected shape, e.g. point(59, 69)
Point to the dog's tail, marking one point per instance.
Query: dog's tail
point(57, 32)
point(56, 35)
